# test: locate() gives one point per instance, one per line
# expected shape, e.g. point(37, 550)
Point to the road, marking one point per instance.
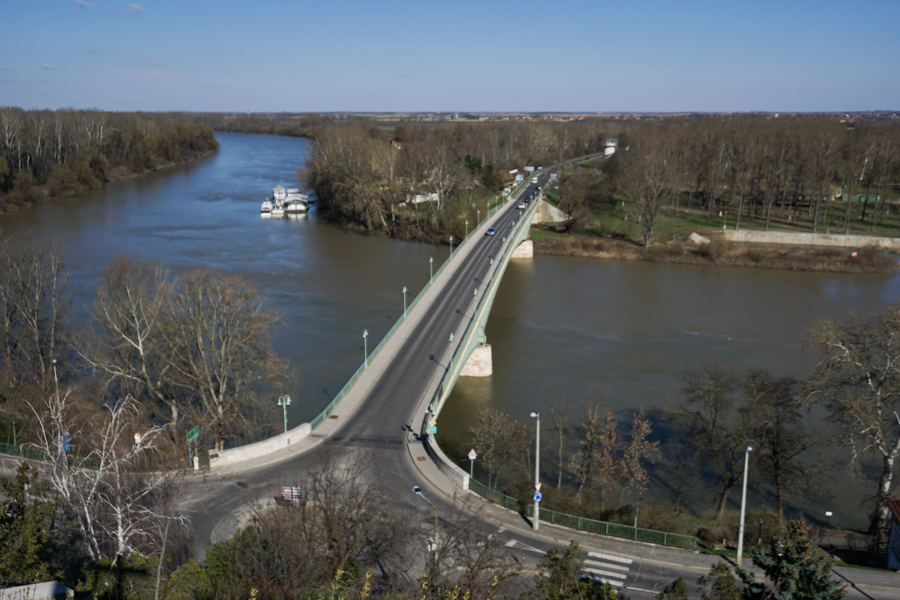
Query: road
point(380, 429)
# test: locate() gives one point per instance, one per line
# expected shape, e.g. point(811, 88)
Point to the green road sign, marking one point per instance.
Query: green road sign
point(432, 429)
point(193, 434)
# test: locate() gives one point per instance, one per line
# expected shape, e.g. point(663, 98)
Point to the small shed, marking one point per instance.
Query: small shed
point(894, 538)
point(49, 590)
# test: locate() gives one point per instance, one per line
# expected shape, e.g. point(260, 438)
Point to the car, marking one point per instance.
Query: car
point(522, 204)
point(491, 231)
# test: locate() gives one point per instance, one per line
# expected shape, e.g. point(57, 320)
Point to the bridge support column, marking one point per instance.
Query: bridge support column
point(524, 250)
point(480, 363)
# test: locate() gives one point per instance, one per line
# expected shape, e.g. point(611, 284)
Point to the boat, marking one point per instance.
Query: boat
point(294, 207)
point(278, 210)
point(266, 208)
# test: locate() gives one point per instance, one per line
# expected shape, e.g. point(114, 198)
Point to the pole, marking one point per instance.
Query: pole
point(759, 541)
point(637, 507)
point(740, 548)
point(365, 348)
point(471, 468)
point(467, 228)
point(404, 301)
point(537, 468)
point(430, 270)
point(284, 402)
point(451, 245)
point(418, 491)
point(55, 378)
point(450, 362)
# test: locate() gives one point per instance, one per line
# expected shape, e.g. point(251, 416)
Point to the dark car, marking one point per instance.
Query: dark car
point(491, 231)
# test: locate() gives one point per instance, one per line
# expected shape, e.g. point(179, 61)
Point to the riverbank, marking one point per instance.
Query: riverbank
point(716, 253)
point(65, 185)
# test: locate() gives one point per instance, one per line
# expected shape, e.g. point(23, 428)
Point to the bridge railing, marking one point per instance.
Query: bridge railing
point(28, 453)
point(651, 536)
point(387, 336)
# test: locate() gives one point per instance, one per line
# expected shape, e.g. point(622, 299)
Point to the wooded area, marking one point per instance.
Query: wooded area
point(59, 152)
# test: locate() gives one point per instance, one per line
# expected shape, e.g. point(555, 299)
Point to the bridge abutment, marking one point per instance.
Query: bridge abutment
point(480, 363)
point(524, 250)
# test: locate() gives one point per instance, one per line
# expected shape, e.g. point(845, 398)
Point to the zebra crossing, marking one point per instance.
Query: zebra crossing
point(606, 568)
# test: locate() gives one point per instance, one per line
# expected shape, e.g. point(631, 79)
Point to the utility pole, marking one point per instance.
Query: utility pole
point(740, 547)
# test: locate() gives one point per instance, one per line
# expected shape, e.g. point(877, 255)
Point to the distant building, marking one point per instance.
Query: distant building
point(609, 146)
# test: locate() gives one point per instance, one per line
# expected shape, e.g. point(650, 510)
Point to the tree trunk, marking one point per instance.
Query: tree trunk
point(881, 519)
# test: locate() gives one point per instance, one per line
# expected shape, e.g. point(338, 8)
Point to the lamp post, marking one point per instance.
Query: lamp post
point(404, 301)
point(637, 507)
point(740, 548)
point(55, 378)
point(537, 469)
point(451, 245)
point(365, 348)
point(450, 363)
point(284, 402)
point(467, 228)
point(478, 214)
point(434, 542)
point(430, 270)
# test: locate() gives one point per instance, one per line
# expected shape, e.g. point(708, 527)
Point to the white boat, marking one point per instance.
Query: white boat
point(278, 210)
point(294, 207)
point(266, 208)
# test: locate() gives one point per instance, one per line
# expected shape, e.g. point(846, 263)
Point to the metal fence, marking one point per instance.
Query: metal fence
point(35, 454)
point(662, 538)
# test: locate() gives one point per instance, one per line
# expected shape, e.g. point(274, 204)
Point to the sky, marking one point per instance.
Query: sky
point(425, 55)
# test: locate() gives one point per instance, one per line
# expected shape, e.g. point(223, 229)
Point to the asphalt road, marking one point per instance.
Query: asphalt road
point(380, 430)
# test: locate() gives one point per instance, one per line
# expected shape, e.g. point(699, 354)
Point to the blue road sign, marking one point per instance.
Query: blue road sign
point(537, 497)
point(65, 443)
point(432, 429)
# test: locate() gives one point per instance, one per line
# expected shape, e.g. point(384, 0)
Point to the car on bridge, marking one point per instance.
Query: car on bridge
point(491, 231)
point(522, 204)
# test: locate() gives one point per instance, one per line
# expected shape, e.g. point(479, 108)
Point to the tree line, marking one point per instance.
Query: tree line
point(595, 466)
point(365, 177)
point(757, 168)
point(67, 151)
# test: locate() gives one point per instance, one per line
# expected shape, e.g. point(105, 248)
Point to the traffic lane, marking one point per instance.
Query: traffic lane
point(394, 397)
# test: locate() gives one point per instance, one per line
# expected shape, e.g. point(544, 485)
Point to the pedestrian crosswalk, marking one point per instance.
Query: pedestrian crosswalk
point(606, 568)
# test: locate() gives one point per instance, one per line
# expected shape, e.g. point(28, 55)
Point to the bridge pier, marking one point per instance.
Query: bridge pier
point(480, 362)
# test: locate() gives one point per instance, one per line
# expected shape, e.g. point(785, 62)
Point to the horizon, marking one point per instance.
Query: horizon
point(578, 57)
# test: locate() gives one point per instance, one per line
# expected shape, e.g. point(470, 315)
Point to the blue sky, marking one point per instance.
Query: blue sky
point(643, 56)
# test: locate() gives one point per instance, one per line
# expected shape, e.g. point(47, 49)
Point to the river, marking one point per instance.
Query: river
point(628, 327)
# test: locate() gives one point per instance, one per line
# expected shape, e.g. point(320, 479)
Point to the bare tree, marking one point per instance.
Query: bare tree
point(858, 380)
point(718, 427)
point(104, 473)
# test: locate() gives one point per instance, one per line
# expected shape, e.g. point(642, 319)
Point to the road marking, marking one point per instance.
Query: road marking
point(594, 563)
point(607, 573)
point(627, 561)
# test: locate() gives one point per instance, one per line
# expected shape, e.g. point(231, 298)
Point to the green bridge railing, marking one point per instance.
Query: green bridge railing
point(34, 454)
point(628, 532)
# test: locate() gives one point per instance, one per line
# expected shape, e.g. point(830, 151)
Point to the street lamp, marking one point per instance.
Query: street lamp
point(637, 507)
point(478, 214)
point(404, 301)
point(434, 543)
point(365, 348)
point(430, 270)
point(284, 402)
point(55, 378)
point(451, 245)
point(740, 547)
point(537, 469)
point(467, 228)
point(450, 364)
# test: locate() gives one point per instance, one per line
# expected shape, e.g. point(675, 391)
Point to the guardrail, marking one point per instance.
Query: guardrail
point(675, 540)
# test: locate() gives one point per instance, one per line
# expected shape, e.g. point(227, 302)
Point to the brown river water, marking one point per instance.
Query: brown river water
point(630, 327)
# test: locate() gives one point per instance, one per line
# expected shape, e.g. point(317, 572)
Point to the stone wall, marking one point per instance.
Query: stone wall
point(810, 239)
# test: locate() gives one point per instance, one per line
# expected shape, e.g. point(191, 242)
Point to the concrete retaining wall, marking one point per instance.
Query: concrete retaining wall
point(454, 473)
point(810, 239)
point(257, 449)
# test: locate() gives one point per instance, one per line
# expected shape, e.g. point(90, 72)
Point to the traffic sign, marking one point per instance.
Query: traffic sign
point(65, 443)
point(537, 486)
point(193, 434)
point(537, 497)
point(472, 454)
point(432, 423)
point(432, 429)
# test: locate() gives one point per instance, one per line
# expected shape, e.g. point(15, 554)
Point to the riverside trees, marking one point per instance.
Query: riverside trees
point(363, 179)
point(68, 151)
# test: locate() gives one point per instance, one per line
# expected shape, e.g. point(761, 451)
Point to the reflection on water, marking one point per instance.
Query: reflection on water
point(632, 327)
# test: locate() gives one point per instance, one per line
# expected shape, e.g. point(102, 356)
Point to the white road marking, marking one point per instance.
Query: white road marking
point(594, 563)
point(627, 561)
point(607, 573)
